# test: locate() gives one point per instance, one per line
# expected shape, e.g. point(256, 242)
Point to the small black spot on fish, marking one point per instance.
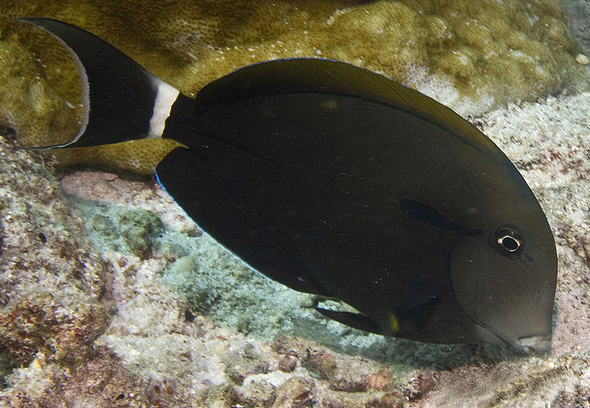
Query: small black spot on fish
point(42, 238)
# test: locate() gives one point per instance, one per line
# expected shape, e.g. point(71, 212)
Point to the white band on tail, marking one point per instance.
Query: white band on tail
point(165, 97)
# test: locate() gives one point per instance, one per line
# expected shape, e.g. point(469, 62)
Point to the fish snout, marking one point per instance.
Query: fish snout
point(534, 344)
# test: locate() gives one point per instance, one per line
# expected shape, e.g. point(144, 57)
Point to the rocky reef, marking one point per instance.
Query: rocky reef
point(111, 296)
point(160, 317)
point(577, 15)
point(52, 285)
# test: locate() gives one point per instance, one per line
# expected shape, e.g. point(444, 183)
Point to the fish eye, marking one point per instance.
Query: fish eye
point(508, 240)
point(509, 243)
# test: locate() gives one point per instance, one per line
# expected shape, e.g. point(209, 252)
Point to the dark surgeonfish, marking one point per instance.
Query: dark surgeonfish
point(337, 181)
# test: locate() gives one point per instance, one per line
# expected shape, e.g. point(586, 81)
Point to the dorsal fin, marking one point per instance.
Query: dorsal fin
point(310, 75)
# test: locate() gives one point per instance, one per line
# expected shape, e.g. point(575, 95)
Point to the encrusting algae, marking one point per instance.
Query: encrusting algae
point(472, 56)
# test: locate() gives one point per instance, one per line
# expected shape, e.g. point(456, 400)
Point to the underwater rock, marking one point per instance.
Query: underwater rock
point(156, 337)
point(348, 374)
point(470, 56)
point(295, 393)
point(101, 383)
point(136, 229)
point(52, 284)
point(42, 325)
point(548, 142)
point(577, 15)
point(257, 393)
point(245, 361)
point(221, 396)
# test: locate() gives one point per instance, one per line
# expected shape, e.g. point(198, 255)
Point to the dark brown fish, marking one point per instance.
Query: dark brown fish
point(337, 181)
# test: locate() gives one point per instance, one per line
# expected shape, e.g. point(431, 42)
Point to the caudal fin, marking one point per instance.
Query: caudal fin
point(122, 100)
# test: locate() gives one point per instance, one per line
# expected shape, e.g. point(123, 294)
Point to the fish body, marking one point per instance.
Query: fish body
point(337, 181)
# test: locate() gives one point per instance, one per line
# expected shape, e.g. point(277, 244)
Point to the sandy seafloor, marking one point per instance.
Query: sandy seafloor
point(157, 349)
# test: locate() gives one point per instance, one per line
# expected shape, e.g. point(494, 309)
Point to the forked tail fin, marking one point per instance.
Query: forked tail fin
point(122, 100)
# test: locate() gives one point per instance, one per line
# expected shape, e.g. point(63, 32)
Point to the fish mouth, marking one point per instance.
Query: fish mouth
point(538, 344)
point(534, 344)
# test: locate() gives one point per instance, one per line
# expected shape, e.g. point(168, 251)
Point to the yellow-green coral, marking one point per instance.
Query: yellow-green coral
point(470, 55)
point(138, 156)
point(28, 102)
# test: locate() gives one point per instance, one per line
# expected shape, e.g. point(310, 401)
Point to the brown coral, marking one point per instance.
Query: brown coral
point(42, 324)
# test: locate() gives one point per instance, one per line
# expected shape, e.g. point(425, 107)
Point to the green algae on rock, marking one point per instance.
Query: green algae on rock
point(28, 102)
point(120, 229)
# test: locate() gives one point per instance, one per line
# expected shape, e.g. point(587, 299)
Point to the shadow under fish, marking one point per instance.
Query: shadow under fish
point(340, 182)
